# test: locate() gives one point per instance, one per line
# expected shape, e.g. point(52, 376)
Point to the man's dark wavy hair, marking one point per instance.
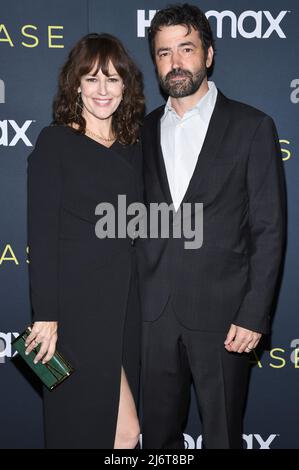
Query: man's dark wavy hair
point(186, 15)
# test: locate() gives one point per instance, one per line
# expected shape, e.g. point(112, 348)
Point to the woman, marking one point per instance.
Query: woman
point(83, 288)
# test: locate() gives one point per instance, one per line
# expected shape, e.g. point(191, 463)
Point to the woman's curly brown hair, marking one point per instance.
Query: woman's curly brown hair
point(99, 49)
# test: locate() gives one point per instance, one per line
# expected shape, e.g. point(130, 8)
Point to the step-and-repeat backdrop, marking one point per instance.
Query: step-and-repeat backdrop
point(257, 44)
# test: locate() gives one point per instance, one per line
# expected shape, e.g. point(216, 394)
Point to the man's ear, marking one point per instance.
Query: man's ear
point(210, 55)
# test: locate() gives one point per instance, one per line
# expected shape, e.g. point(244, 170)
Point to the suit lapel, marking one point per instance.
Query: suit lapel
point(158, 157)
point(162, 168)
point(215, 133)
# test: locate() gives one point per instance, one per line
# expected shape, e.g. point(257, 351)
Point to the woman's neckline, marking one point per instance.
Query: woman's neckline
point(91, 139)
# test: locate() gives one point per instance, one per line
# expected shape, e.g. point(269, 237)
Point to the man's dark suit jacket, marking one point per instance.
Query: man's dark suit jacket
point(239, 179)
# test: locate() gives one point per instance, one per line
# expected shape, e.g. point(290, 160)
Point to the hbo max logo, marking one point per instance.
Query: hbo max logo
point(10, 131)
point(251, 441)
point(2, 91)
point(5, 345)
point(18, 132)
point(263, 23)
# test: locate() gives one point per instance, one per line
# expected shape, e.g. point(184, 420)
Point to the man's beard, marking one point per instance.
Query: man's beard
point(182, 88)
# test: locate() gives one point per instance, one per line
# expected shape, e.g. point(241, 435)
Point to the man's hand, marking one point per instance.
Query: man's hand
point(45, 334)
point(240, 339)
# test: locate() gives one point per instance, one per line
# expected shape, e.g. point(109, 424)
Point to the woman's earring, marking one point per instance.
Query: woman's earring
point(78, 105)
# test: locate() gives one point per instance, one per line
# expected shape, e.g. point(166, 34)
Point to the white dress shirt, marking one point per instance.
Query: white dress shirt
point(182, 140)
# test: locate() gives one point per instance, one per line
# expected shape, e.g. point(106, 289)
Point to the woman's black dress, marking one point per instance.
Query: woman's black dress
point(87, 284)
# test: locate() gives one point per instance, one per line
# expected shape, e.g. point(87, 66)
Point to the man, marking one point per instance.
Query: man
point(204, 309)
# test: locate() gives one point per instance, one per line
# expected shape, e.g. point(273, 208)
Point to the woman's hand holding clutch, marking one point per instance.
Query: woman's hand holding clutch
point(45, 334)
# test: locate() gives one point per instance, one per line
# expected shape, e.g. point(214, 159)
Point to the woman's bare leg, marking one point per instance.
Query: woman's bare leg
point(127, 428)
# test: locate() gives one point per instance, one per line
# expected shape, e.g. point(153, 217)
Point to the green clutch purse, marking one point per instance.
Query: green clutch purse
point(53, 372)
